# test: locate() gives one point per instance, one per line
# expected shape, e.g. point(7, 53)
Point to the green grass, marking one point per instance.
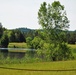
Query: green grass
point(40, 66)
point(17, 50)
point(17, 45)
point(73, 48)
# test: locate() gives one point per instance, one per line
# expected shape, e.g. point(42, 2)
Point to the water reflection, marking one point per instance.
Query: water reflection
point(14, 52)
point(4, 52)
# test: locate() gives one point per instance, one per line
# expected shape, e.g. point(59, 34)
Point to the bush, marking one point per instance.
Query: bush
point(50, 52)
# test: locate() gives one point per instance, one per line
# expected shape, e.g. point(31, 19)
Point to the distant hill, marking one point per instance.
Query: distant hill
point(25, 29)
point(22, 29)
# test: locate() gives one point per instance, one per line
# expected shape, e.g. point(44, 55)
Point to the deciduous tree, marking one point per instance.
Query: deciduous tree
point(54, 22)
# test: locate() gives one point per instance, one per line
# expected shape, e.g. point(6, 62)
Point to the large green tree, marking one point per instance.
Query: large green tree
point(53, 16)
point(54, 22)
point(53, 19)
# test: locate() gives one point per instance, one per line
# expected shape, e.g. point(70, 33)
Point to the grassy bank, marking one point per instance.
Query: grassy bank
point(17, 45)
point(60, 65)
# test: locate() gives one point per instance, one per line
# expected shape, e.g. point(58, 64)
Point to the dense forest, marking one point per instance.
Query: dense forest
point(21, 34)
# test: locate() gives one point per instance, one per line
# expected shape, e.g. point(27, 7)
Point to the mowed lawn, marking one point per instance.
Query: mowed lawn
point(60, 65)
point(17, 45)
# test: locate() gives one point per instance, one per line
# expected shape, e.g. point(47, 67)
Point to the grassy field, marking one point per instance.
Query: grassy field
point(17, 45)
point(73, 47)
point(60, 65)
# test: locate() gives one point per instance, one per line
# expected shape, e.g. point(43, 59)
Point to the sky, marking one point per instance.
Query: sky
point(24, 13)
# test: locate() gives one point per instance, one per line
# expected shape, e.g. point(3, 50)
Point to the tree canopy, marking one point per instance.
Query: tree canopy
point(53, 16)
point(54, 21)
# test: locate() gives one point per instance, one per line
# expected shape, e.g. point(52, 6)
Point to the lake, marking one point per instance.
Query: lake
point(14, 52)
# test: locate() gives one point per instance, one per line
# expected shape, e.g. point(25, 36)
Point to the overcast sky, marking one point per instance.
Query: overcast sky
point(23, 13)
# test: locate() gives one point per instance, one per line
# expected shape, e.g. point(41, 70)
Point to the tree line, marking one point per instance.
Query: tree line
point(16, 35)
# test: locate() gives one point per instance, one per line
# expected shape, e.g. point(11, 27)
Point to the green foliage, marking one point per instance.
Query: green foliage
point(4, 41)
point(16, 36)
point(12, 37)
point(36, 42)
point(54, 22)
point(29, 42)
point(61, 52)
point(50, 52)
point(53, 16)
point(71, 37)
point(44, 53)
point(19, 36)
